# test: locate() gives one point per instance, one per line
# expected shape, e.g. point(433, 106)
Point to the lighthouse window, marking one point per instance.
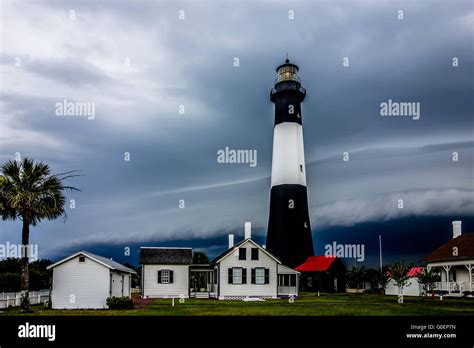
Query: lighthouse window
point(287, 73)
point(301, 168)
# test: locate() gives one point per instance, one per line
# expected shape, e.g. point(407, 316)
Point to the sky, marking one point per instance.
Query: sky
point(142, 63)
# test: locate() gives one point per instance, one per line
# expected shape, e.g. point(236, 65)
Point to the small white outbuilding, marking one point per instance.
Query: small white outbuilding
point(85, 281)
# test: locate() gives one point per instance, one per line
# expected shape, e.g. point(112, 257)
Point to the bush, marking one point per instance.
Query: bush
point(119, 303)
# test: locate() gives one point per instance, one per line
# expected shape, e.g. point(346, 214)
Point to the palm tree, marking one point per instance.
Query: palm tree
point(30, 193)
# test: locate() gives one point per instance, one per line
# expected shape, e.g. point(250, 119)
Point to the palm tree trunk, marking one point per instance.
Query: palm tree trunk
point(25, 274)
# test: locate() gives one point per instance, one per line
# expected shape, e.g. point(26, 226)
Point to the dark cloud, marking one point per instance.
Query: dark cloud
point(190, 62)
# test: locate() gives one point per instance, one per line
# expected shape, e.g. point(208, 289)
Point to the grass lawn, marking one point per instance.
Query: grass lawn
point(307, 304)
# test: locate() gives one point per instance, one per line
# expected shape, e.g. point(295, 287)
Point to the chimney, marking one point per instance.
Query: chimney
point(248, 230)
point(456, 229)
point(231, 240)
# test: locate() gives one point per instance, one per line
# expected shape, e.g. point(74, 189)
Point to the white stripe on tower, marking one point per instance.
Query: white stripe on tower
point(288, 166)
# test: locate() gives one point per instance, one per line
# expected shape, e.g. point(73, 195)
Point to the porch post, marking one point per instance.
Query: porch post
point(447, 268)
point(469, 269)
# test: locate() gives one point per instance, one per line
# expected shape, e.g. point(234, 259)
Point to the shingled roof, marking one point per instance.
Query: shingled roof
point(464, 243)
point(166, 256)
point(97, 258)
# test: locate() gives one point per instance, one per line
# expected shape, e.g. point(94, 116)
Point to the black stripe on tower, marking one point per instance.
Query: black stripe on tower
point(289, 231)
point(287, 97)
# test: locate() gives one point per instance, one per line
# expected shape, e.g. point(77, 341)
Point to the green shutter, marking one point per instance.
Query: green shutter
point(267, 276)
point(230, 276)
point(159, 277)
point(253, 275)
point(171, 276)
point(244, 275)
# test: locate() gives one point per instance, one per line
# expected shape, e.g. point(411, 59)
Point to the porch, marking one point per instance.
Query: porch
point(287, 285)
point(456, 278)
point(202, 281)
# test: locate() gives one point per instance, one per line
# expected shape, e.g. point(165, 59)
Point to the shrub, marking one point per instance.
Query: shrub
point(119, 303)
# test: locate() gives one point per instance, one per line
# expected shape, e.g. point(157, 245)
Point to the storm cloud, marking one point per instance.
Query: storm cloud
point(140, 64)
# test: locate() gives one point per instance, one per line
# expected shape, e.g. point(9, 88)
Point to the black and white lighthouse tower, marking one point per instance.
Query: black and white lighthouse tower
point(289, 230)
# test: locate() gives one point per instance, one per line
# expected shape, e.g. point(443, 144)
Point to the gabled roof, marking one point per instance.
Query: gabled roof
point(465, 247)
point(316, 264)
point(166, 256)
point(236, 246)
point(97, 258)
point(224, 253)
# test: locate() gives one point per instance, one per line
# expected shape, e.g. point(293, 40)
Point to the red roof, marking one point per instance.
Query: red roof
point(413, 272)
point(316, 264)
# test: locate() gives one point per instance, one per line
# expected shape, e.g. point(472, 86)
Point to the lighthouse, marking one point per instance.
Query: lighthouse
point(289, 230)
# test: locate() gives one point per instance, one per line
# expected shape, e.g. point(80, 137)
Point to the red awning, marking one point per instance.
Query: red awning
point(316, 264)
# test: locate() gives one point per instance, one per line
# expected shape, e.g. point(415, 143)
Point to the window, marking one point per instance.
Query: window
point(242, 254)
point(292, 279)
point(254, 253)
point(82, 259)
point(285, 280)
point(237, 276)
point(165, 276)
point(259, 275)
point(301, 168)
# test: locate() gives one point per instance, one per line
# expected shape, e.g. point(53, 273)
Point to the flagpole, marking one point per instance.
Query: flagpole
point(380, 248)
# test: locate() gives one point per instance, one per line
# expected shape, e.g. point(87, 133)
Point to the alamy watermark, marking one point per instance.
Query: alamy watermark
point(356, 251)
point(237, 156)
point(19, 250)
point(393, 108)
point(77, 109)
point(37, 331)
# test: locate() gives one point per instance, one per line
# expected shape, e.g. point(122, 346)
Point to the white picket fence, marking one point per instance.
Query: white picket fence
point(12, 299)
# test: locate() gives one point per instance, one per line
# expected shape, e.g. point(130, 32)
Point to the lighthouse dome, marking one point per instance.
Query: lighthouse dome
point(287, 72)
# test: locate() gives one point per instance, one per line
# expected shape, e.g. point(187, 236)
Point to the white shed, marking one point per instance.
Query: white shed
point(85, 281)
point(411, 288)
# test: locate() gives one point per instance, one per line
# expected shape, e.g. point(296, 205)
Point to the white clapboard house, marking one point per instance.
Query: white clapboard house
point(244, 270)
point(454, 260)
point(85, 281)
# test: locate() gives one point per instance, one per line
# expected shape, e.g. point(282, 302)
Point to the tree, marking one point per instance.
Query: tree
point(398, 272)
point(428, 277)
point(30, 193)
point(383, 280)
point(356, 277)
point(200, 257)
point(136, 278)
